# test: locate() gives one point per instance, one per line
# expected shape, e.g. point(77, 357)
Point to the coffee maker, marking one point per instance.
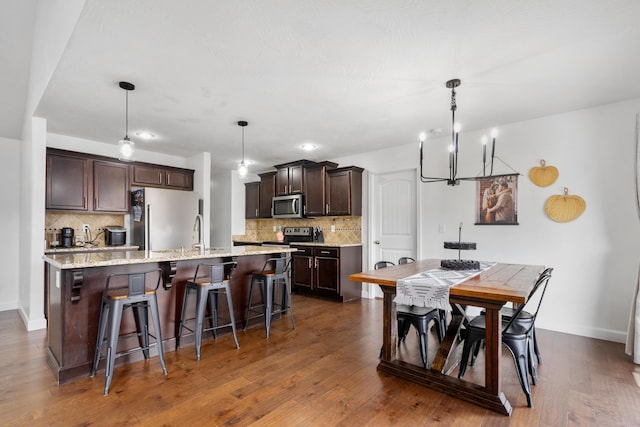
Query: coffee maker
point(66, 237)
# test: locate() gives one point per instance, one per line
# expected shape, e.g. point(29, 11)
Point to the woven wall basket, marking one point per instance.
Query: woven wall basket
point(543, 175)
point(564, 208)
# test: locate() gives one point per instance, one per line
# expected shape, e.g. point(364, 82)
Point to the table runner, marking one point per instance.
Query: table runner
point(431, 288)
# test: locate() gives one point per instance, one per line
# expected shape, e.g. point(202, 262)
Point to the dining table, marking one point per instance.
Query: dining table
point(490, 289)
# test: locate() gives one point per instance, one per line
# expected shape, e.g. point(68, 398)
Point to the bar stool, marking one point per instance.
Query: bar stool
point(208, 283)
point(114, 300)
point(274, 273)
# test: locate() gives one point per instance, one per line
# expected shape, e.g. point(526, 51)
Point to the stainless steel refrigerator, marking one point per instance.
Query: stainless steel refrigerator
point(163, 219)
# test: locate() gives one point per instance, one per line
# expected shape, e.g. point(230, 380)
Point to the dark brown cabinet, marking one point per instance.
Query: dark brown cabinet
point(179, 179)
point(87, 183)
point(111, 189)
point(314, 178)
point(163, 177)
point(81, 184)
point(290, 178)
point(67, 186)
point(324, 271)
point(252, 200)
point(267, 191)
point(343, 191)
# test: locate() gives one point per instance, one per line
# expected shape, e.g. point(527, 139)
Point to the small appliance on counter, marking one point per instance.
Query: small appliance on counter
point(115, 235)
point(66, 237)
point(318, 235)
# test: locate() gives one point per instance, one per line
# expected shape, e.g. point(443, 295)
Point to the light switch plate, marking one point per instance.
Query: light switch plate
point(333, 228)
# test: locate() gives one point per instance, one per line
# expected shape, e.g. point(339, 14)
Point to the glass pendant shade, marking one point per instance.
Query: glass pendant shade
point(126, 149)
point(242, 169)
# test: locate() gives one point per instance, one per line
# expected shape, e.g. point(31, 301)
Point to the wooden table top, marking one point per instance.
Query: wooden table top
point(502, 282)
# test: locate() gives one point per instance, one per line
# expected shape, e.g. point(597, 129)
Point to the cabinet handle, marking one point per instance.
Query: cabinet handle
point(309, 263)
point(285, 189)
point(289, 188)
point(316, 262)
point(256, 211)
point(325, 252)
point(326, 208)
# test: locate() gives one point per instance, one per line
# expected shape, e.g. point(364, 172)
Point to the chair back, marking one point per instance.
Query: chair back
point(405, 260)
point(382, 264)
point(276, 265)
point(135, 282)
point(216, 273)
point(540, 286)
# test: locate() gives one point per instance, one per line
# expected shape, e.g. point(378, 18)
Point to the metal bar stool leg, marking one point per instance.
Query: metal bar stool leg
point(115, 317)
point(268, 303)
point(155, 316)
point(183, 317)
point(202, 295)
point(102, 327)
point(142, 326)
point(232, 317)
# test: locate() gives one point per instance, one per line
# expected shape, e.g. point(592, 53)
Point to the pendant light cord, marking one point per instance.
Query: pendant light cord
point(126, 114)
point(243, 145)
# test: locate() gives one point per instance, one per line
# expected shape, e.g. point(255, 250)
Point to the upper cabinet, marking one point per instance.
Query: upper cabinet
point(161, 176)
point(67, 182)
point(85, 183)
point(252, 200)
point(111, 189)
point(290, 178)
point(267, 191)
point(314, 178)
point(343, 190)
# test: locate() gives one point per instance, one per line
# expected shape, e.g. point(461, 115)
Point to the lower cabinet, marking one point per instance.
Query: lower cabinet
point(323, 271)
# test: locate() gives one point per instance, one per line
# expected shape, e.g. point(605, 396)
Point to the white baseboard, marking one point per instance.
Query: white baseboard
point(597, 333)
point(32, 324)
point(11, 305)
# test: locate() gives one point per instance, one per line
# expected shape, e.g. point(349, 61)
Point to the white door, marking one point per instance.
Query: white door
point(393, 217)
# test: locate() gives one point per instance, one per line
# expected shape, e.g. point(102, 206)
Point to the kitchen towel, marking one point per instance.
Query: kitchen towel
point(431, 288)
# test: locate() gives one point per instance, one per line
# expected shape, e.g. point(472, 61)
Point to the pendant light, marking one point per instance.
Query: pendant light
point(242, 167)
point(126, 147)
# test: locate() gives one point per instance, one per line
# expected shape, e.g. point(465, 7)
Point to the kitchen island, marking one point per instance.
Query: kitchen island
point(76, 282)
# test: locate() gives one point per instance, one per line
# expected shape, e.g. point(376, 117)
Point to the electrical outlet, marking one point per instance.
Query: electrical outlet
point(85, 227)
point(333, 228)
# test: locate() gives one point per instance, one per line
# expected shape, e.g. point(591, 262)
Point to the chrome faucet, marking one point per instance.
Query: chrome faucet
point(198, 224)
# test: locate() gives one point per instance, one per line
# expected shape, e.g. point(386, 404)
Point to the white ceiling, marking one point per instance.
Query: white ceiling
point(350, 76)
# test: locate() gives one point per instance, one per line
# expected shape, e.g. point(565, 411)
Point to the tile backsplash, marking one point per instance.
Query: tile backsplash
point(348, 229)
point(53, 222)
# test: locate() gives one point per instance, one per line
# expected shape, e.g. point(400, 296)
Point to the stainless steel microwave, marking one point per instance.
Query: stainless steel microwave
point(287, 206)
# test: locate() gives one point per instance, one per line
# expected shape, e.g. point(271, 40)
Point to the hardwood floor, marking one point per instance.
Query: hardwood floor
point(321, 374)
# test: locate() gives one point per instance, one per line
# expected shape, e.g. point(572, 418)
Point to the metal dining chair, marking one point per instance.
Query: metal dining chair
point(419, 317)
point(516, 335)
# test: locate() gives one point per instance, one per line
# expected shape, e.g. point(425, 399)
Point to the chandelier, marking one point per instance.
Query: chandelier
point(453, 178)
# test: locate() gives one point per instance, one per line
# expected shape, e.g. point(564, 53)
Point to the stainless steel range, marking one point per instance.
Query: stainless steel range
point(293, 235)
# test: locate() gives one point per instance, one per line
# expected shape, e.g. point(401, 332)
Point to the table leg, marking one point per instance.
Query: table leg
point(493, 351)
point(390, 325)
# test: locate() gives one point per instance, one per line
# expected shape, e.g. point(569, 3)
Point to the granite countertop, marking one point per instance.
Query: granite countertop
point(109, 258)
point(333, 245)
point(90, 248)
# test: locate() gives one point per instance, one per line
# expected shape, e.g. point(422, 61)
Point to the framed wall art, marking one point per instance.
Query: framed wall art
point(497, 200)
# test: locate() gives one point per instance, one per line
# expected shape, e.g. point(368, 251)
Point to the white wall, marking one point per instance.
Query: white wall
point(595, 257)
point(221, 195)
point(9, 222)
point(55, 21)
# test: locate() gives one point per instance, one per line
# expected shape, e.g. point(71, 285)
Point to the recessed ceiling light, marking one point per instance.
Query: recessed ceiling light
point(145, 135)
point(436, 131)
point(308, 146)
